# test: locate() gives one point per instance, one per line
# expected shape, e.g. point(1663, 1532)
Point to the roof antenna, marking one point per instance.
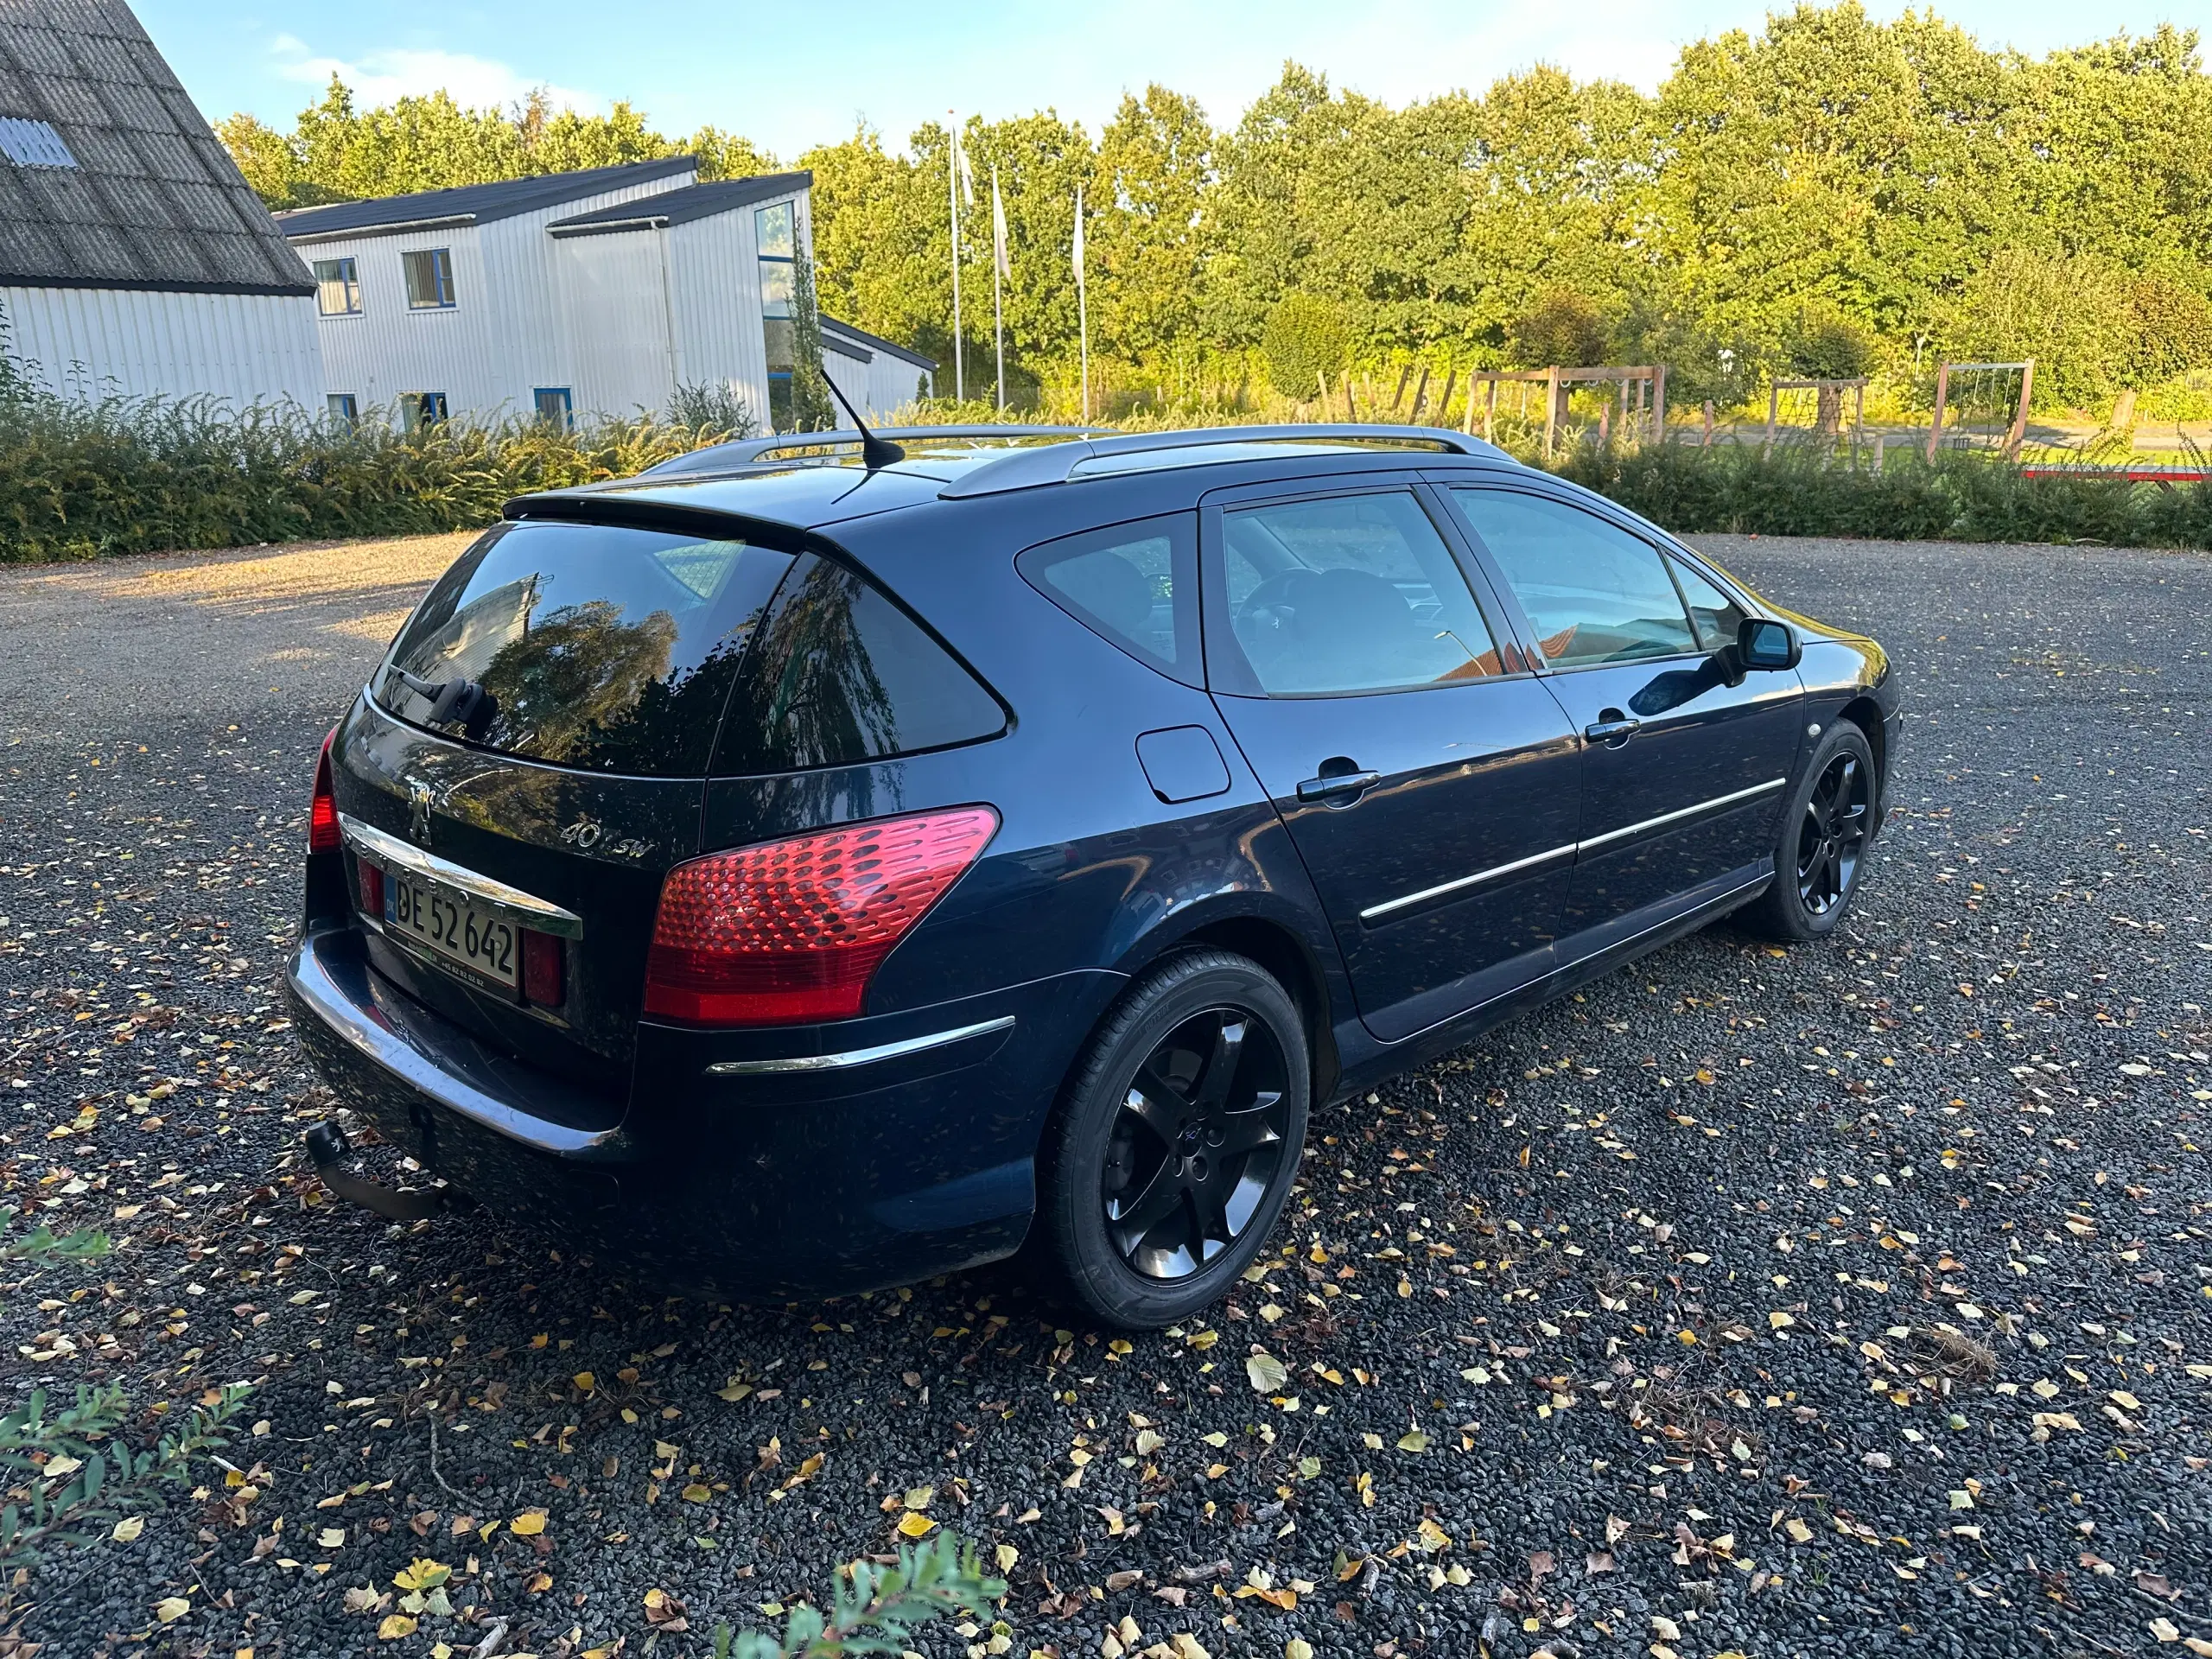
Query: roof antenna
point(874, 451)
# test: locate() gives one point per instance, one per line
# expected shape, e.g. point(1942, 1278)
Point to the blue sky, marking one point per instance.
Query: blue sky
point(789, 76)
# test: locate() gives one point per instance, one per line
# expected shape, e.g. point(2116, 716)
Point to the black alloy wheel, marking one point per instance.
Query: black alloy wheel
point(1832, 834)
point(1196, 1144)
point(1175, 1143)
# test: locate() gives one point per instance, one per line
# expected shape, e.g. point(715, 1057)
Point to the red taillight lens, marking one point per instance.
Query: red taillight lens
point(541, 969)
point(791, 932)
point(371, 882)
point(322, 816)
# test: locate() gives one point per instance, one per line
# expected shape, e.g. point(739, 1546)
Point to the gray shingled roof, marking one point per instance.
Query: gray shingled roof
point(154, 201)
point(678, 206)
point(473, 204)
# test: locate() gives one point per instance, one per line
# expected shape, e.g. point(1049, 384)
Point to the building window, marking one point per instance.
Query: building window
point(429, 279)
point(337, 288)
point(420, 408)
point(342, 408)
point(553, 406)
point(774, 230)
point(32, 143)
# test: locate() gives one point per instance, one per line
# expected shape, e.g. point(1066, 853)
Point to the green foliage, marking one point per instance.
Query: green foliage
point(1801, 489)
point(337, 153)
point(1560, 325)
point(1822, 343)
point(875, 1610)
point(63, 1476)
point(144, 476)
point(1894, 178)
point(1303, 344)
point(66, 1476)
point(812, 408)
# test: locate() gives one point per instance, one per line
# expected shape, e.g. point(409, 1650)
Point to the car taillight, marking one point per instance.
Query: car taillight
point(370, 884)
point(541, 969)
point(791, 932)
point(322, 816)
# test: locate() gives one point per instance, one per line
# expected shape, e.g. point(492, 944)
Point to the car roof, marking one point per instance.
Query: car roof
point(827, 484)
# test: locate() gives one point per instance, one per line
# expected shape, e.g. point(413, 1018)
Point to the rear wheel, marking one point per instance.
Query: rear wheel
point(1821, 846)
point(1176, 1142)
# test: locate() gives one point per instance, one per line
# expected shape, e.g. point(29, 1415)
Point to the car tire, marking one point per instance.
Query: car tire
point(1821, 843)
point(1162, 1173)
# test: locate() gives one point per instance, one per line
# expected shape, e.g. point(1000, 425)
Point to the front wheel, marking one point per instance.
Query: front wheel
point(1177, 1140)
point(1822, 844)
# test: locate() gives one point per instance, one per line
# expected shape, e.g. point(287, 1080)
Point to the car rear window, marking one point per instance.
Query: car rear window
point(1132, 584)
point(602, 647)
point(840, 674)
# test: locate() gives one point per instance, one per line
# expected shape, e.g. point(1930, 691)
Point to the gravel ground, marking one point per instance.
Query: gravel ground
point(1840, 1301)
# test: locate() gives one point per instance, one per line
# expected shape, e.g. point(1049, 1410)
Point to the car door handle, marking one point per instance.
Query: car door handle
point(1337, 783)
point(1613, 732)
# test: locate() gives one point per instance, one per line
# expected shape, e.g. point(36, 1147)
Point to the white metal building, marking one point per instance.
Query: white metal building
point(134, 260)
point(604, 292)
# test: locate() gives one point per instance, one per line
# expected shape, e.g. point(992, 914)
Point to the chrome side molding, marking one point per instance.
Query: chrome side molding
point(1572, 848)
point(853, 1057)
point(525, 909)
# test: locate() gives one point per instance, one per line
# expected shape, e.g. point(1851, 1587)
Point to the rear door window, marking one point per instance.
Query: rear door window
point(1131, 584)
point(840, 674)
point(601, 647)
point(1347, 594)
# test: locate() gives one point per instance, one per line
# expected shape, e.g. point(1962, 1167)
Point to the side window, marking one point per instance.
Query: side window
point(1716, 614)
point(1354, 593)
point(839, 674)
point(1594, 592)
point(1132, 584)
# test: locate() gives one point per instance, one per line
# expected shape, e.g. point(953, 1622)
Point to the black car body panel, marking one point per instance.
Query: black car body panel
point(1498, 856)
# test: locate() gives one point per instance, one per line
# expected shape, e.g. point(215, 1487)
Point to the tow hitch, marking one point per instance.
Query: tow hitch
point(327, 1145)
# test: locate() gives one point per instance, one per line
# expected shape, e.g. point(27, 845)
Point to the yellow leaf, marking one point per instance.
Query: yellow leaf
point(1778, 1320)
point(915, 1524)
point(1412, 1440)
point(169, 1609)
point(421, 1574)
point(395, 1626)
point(1007, 1555)
point(539, 1583)
point(1266, 1373)
point(1798, 1531)
point(331, 1537)
point(127, 1528)
point(584, 1381)
point(919, 1498)
point(529, 1523)
point(695, 1493)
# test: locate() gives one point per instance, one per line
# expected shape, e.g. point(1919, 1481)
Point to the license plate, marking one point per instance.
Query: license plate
point(434, 916)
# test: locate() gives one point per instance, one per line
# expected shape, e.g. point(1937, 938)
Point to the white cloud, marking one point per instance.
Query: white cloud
point(401, 72)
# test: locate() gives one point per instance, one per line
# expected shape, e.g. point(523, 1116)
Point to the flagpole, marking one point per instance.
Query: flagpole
point(959, 356)
point(998, 273)
point(1081, 304)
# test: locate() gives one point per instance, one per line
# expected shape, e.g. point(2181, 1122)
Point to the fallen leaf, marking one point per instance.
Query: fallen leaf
point(915, 1524)
point(529, 1523)
point(169, 1609)
point(127, 1528)
point(1266, 1373)
point(395, 1626)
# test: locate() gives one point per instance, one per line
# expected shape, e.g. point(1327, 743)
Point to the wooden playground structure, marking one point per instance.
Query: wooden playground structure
point(1642, 397)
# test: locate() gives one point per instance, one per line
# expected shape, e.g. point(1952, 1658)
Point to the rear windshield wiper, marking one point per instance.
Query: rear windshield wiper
point(456, 702)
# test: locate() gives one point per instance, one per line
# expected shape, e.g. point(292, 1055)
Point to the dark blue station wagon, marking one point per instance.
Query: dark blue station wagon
point(797, 870)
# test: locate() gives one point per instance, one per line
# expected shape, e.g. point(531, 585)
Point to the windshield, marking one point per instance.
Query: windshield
point(601, 647)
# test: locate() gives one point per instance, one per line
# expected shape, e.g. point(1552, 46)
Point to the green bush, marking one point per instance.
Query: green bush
point(1304, 342)
point(1560, 325)
point(145, 476)
point(1802, 490)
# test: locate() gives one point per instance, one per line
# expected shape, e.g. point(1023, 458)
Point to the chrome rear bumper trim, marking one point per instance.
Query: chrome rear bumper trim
point(527, 909)
point(857, 1055)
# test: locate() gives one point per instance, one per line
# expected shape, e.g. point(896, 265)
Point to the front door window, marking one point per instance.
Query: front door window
point(1593, 592)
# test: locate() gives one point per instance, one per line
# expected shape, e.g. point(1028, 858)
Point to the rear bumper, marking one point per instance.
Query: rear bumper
point(758, 1177)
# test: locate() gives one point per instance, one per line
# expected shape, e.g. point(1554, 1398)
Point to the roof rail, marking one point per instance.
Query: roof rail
point(744, 452)
point(1057, 463)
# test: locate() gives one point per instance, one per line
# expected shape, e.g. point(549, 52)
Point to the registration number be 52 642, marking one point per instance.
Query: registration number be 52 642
point(471, 935)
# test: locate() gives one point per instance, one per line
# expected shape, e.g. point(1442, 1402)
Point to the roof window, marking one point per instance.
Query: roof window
point(32, 143)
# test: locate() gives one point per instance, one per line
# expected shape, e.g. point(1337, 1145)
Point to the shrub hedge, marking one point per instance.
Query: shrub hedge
point(81, 480)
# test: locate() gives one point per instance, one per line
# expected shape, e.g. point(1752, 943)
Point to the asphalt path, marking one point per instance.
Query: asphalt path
point(1851, 1299)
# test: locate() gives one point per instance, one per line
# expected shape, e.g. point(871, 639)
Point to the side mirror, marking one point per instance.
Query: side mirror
point(1763, 642)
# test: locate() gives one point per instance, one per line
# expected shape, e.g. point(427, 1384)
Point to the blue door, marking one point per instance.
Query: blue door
point(1427, 779)
point(1683, 772)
